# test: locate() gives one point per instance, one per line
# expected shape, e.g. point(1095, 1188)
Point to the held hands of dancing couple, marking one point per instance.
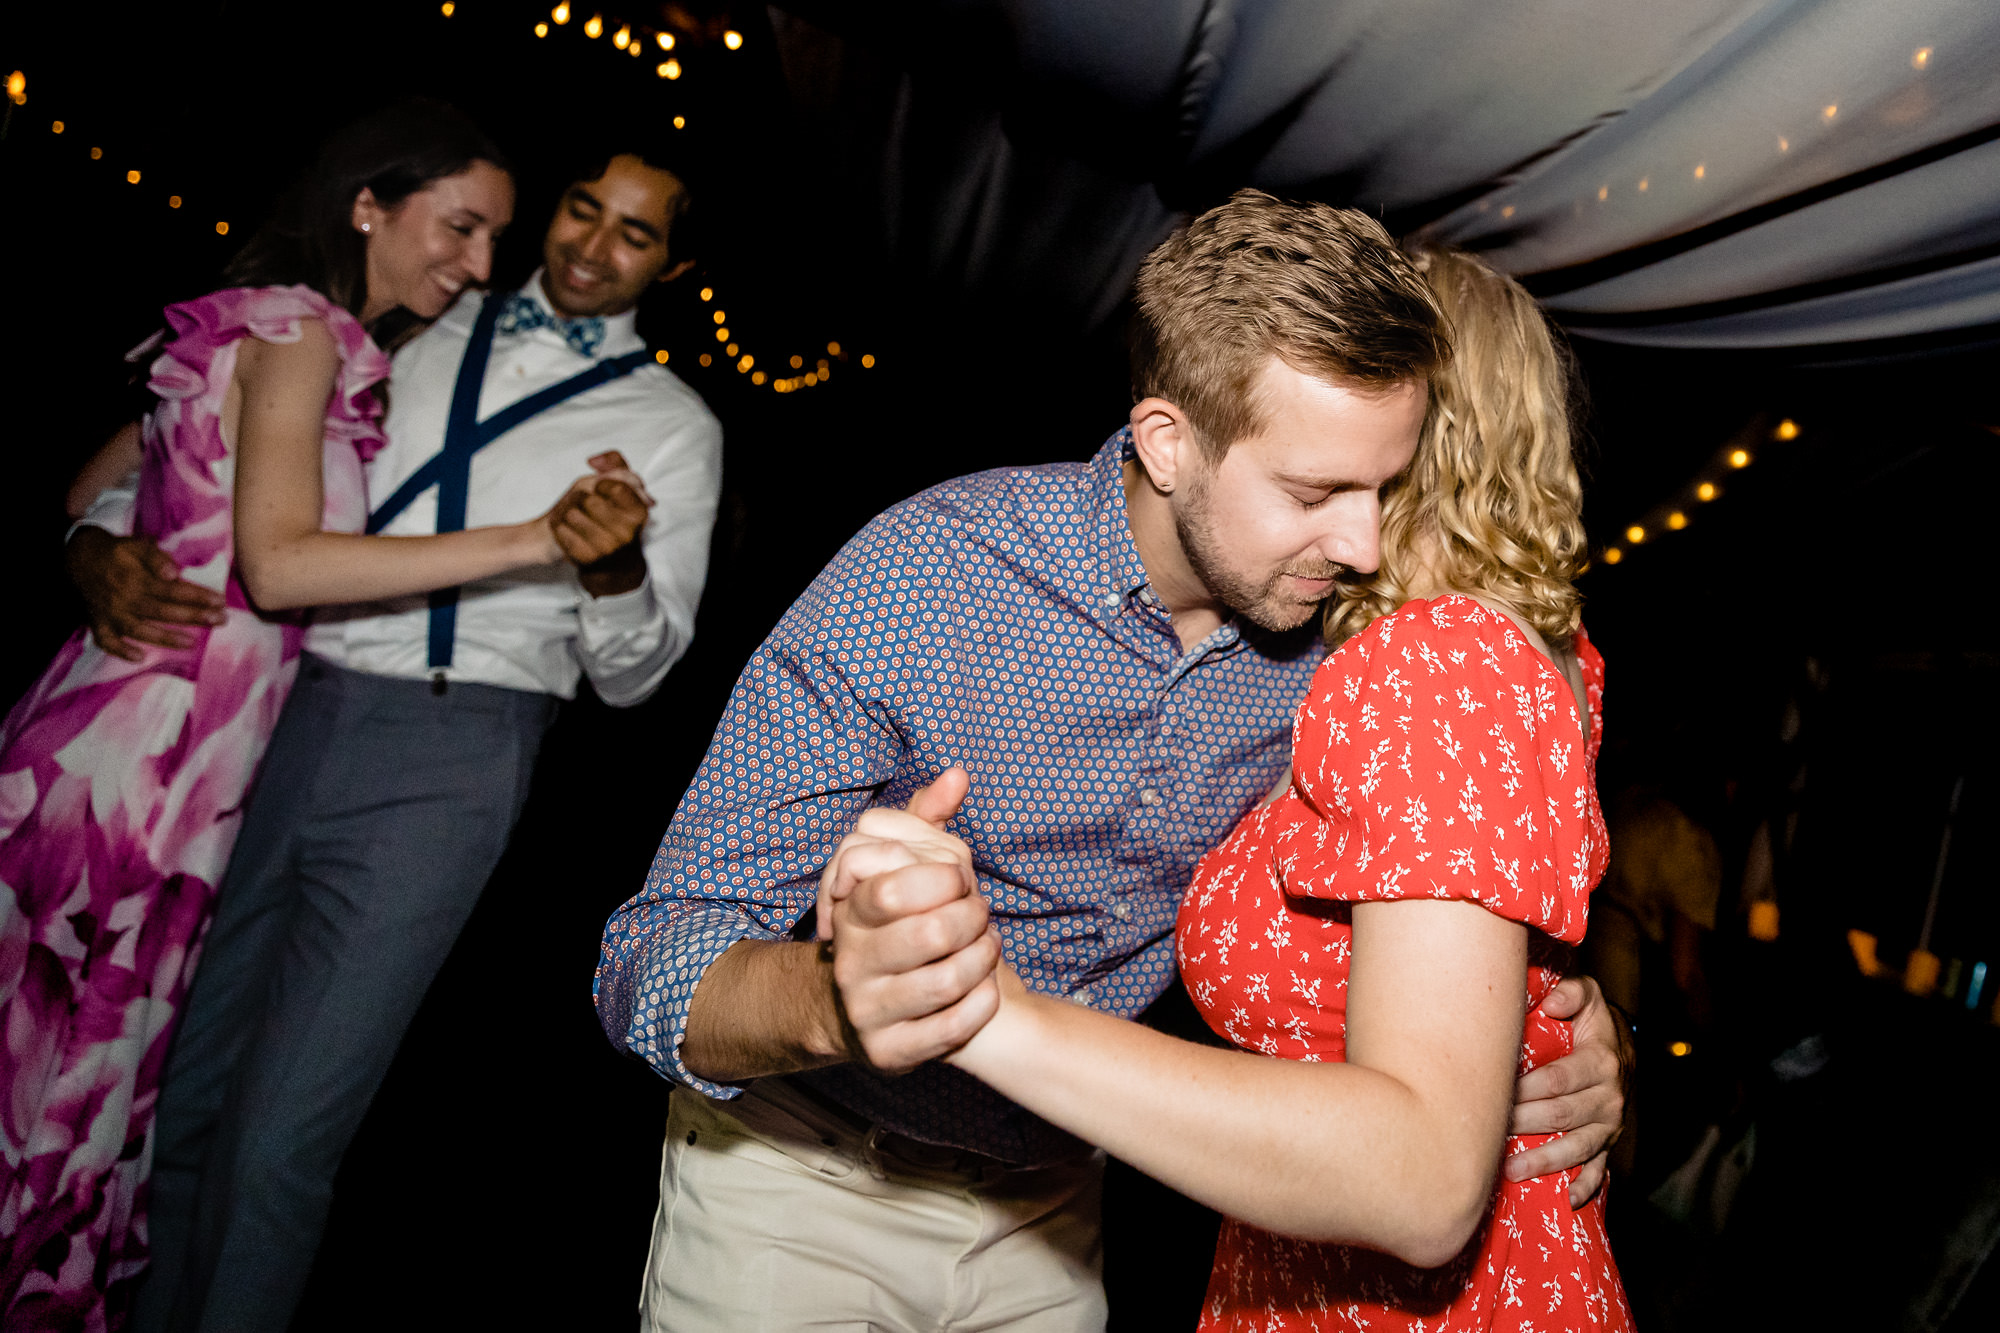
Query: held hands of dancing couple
point(918, 975)
point(134, 594)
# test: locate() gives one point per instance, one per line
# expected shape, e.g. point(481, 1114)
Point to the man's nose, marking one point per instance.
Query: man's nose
point(597, 246)
point(1354, 533)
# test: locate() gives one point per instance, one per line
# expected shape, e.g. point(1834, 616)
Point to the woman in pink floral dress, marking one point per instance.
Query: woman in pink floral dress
point(122, 781)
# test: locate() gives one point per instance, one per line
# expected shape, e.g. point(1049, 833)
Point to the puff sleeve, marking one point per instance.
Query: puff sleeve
point(1441, 756)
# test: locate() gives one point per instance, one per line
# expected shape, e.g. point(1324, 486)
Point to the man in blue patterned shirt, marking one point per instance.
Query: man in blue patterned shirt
point(1113, 651)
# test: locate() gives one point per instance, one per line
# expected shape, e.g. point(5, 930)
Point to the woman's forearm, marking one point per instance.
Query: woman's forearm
point(312, 568)
point(1329, 1152)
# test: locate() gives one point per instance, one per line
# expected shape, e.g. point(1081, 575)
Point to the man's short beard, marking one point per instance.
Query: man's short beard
point(1258, 603)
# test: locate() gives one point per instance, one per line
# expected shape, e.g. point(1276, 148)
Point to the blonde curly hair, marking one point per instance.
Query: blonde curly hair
point(1491, 504)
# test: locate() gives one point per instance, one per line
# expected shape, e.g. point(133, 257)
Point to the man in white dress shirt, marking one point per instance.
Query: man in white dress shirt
point(402, 758)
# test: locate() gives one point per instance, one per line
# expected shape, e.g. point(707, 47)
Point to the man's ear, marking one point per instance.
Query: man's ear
point(1164, 440)
point(672, 271)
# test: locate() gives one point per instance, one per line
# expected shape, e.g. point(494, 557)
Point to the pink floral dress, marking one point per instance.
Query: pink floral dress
point(1438, 756)
point(121, 789)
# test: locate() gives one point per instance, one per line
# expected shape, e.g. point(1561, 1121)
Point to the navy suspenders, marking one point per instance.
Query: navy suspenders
point(450, 469)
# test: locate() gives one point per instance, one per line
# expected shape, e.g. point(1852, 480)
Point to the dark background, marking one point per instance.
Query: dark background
point(507, 1172)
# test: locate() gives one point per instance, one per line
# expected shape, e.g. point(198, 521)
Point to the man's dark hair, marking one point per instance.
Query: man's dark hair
point(392, 153)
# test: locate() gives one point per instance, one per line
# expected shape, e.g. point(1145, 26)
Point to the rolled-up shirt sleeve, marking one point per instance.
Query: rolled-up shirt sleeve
point(807, 743)
point(627, 642)
point(113, 508)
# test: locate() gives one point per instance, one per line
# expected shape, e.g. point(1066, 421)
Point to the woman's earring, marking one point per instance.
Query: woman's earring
point(364, 228)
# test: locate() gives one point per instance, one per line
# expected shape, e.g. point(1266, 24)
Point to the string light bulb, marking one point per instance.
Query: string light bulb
point(446, 8)
point(759, 377)
point(560, 13)
point(541, 30)
point(57, 127)
point(708, 293)
point(722, 316)
point(661, 356)
point(1635, 534)
point(1920, 58)
point(132, 178)
point(593, 27)
point(1788, 429)
point(670, 69)
point(722, 335)
point(1677, 520)
point(1705, 491)
point(173, 201)
point(222, 229)
point(680, 122)
point(731, 350)
point(17, 88)
point(867, 361)
point(833, 349)
point(665, 39)
point(1612, 555)
point(96, 153)
point(798, 361)
point(623, 37)
point(1739, 458)
point(733, 40)
point(707, 360)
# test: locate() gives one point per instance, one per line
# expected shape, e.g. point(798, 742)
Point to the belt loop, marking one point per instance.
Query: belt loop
point(871, 1158)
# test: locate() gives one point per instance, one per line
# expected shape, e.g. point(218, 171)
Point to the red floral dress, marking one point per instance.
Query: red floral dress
point(1438, 756)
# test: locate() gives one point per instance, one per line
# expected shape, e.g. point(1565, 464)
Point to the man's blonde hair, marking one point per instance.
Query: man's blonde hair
point(1492, 499)
point(1323, 289)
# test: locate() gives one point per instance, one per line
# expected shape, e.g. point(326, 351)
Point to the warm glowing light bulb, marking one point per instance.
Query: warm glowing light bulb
point(131, 178)
point(1677, 520)
point(661, 356)
point(708, 293)
point(868, 361)
point(833, 349)
point(623, 37)
point(173, 201)
point(96, 153)
point(707, 360)
point(1705, 491)
point(1700, 170)
point(1603, 193)
point(1612, 555)
point(746, 361)
point(1784, 144)
point(57, 127)
point(722, 316)
point(1920, 58)
point(665, 39)
point(1680, 1048)
point(1635, 534)
point(812, 378)
point(1739, 458)
point(731, 350)
point(798, 361)
point(594, 26)
point(446, 8)
point(732, 39)
point(1788, 429)
point(560, 13)
point(17, 86)
point(1830, 111)
point(759, 377)
point(541, 30)
point(1644, 183)
point(222, 229)
point(634, 48)
point(669, 70)
point(722, 335)
point(680, 122)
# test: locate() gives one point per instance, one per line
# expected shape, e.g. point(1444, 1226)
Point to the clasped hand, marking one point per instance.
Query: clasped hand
point(914, 953)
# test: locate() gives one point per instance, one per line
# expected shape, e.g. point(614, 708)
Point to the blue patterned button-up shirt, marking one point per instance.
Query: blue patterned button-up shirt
point(1002, 622)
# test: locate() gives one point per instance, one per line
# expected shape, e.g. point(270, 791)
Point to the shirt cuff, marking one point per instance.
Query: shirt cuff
point(654, 956)
point(619, 612)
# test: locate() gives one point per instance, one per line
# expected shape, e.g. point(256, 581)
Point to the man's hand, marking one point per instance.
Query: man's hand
point(1581, 1096)
point(135, 594)
point(598, 523)
point(884, 839)
point(913, 960)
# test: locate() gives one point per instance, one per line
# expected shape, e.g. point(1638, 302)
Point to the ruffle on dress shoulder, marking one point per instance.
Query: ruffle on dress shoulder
point(202, 327)
point(1439, 756)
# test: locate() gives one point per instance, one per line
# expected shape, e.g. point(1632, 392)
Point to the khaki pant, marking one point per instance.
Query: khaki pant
point(776, 1215)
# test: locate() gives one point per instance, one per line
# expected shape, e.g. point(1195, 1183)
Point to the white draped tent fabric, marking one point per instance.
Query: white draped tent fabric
point(1691, 173)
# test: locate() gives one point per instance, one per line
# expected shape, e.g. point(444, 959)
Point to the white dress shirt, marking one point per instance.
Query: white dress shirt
point(535, 629)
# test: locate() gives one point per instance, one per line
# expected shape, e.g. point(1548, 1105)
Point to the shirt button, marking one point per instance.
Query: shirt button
point(1112, 599)
point(1150, 796)
point(1123, 911)
point(1081, 996)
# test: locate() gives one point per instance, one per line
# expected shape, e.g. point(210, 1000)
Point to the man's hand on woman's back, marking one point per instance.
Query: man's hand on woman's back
point(135, 594)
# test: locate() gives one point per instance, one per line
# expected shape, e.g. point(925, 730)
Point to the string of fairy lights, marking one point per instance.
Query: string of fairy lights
point(1705, 487)
point(807, 370)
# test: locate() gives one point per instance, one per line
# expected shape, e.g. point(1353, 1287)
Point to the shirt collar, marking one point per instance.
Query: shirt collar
point(621, 331)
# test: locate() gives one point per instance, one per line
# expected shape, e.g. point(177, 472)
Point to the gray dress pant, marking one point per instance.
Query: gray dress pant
point(380, 812)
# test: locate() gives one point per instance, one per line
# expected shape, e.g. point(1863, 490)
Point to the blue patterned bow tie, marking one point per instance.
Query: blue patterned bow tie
point(522, 313)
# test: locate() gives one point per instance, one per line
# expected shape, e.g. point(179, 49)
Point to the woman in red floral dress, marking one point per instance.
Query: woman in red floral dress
point(1387, 923)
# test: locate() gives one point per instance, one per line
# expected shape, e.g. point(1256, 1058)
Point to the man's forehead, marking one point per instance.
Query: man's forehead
point(636, 188)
